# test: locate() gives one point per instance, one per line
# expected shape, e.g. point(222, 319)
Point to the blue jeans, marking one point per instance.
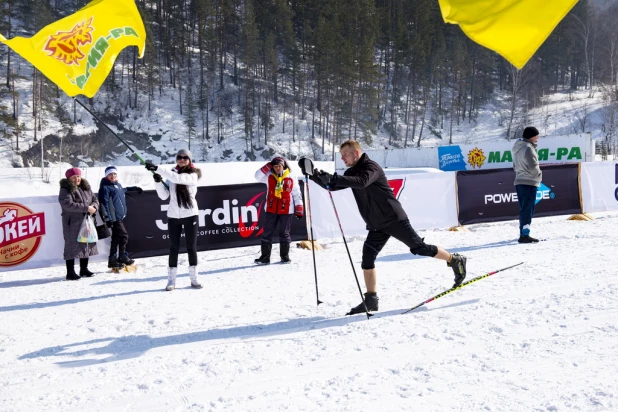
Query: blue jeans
point(526, 196)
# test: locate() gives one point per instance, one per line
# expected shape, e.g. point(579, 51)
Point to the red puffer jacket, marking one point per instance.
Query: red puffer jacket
point(290, 200)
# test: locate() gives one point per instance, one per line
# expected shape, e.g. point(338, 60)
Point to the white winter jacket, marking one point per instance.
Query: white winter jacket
point(173, 178)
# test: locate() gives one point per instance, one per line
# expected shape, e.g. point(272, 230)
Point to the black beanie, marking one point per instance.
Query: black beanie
point(530, 132)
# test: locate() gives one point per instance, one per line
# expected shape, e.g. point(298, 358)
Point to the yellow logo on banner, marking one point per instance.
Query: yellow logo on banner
point(78, 52)
point(476, 157)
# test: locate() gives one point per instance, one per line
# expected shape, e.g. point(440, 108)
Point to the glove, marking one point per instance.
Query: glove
point(324, 177)
point(267, 168)
point(299, 212)
point(157, 178)
point(149, 166)
point(109, 223)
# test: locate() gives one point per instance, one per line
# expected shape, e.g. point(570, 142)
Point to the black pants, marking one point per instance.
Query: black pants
point(120, 238)
point(271, 220)
point(402, 231)
point(526, 197)
point(175, 227)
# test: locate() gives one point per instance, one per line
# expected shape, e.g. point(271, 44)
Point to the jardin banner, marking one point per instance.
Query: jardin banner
point(496, 155)
point(489, 195)
point(230, 216)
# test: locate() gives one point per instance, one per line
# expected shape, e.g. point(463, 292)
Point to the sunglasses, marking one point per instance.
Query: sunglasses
point(183, 158)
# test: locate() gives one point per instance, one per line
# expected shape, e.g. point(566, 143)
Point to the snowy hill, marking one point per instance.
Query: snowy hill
point(539, 337)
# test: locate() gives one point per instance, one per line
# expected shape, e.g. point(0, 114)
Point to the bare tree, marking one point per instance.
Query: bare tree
point(519, 79)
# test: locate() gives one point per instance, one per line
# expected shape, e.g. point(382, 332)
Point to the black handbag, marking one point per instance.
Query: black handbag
point(103, 231)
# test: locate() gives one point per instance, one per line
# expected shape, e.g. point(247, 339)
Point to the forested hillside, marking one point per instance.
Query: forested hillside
point(224, 72)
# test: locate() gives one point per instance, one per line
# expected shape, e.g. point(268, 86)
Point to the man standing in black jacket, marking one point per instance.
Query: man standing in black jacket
point(383, 215)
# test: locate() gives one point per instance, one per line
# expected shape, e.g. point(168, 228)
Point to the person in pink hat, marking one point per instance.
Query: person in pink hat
point(76, 200)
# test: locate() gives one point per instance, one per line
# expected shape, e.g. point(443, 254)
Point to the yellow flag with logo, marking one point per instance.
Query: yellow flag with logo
point(78, 52)
point(513, 28)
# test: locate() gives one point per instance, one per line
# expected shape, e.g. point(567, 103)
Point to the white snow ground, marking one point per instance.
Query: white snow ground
point(540, 337)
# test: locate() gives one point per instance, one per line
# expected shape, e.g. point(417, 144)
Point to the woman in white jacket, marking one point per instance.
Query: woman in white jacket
point(182, 212)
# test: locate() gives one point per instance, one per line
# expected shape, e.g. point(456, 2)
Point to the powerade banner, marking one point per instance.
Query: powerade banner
point(489, 195)
point(496, 155)
point(230, 216)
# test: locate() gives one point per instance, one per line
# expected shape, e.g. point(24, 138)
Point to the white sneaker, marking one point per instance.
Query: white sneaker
point(171, 279)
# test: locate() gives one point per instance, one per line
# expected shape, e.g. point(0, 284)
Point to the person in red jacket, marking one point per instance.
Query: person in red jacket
point(282, 201)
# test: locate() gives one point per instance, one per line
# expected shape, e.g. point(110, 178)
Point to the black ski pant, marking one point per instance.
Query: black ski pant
point(174, 228)
point(526, 197)
point(120, 238)
point(285, 223)
point(401, 230)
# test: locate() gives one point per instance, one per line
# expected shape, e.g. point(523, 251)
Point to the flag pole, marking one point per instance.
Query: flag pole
point(110, 130)
point(142, 161)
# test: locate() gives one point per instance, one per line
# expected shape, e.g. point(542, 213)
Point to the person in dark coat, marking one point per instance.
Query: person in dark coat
point(384, 216)
point(113, 211)
point(76, 200)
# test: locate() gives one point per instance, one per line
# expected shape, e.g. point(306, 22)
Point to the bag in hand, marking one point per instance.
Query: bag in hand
point(88, 231)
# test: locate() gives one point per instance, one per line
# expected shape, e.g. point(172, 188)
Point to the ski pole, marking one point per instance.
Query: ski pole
point(446, 292)
point(348, 250)
point(315, 270)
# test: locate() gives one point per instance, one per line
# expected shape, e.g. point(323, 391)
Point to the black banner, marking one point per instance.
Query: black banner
point(489, 195)
point(230, 216)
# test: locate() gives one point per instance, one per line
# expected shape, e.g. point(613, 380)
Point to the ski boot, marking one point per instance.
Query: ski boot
point(458, 264)
point(264, 259)
point(371, 301)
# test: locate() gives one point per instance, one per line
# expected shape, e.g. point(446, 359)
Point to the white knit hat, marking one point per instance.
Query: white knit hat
point(110, 169)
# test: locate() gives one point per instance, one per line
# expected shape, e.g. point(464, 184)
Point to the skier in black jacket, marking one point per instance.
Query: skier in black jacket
point(383, 215)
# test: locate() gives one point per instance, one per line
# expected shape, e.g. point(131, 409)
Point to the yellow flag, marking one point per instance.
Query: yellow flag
point(78, 52)
point(513, 28)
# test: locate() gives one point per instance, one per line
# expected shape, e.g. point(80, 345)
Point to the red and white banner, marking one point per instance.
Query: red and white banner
point(429, 199)
point(599, 184)
point(31, 234)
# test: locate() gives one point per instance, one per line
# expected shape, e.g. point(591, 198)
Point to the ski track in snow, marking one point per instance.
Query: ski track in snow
point(538, 337)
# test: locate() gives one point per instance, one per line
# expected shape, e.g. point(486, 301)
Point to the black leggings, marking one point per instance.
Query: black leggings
point(402, 231)
point(174, 227)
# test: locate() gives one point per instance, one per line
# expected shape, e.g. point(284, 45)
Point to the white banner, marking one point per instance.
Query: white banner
point(482, 155)
point(496, 155)
point(429, 199)
point(599, 183)
point(31, 234)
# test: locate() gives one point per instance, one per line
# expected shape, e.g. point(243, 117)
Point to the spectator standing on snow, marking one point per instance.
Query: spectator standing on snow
point(182, 213)
point(113, 210)
point(528, 177)
point(76, 201)
point(283, 200)
point(384, 216)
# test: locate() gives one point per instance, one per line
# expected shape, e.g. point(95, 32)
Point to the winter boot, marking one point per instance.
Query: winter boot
point(264, 259)
point(113, 263)
point(371, 301)
point(125, 259)
point(171, 279)
point(458, 263)
point(83, 268)
point(284, 251)
point(71, 275)
point(193, 276)
point(527, 239)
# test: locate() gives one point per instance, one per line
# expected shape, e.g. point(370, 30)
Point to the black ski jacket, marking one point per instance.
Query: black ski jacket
point(374, 196)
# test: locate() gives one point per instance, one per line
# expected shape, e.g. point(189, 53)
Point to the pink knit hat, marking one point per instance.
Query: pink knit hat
point(74, 171)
